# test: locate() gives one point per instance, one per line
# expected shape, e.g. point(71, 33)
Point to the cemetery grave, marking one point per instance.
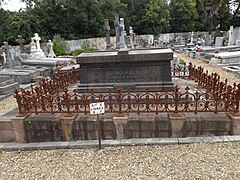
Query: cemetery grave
point(142, 90)
point(157, 122)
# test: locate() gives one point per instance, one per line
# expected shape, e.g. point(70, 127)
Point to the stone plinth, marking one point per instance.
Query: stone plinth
point(66, 126)
point(137, 69)
point(46, 62)
point(18, 127)
point(6, 131)
point(235, 119)
point(226, 58)
point(22, 76)
point(40, 70)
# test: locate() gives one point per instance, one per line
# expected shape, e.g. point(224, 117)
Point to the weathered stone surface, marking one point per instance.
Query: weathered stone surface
point(40, 70)
point(85, 128)
point(42, 128)
point(6, 131)
point(21, 76)
point(144, 126)
point(203, 124)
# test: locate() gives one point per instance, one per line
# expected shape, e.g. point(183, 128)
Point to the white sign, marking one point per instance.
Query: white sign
point(97, 108)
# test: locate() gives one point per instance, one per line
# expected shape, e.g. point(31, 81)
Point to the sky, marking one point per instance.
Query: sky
point(16, 5)
point(13, 5)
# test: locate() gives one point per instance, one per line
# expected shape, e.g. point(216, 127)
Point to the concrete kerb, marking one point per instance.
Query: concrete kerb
point(110, 143)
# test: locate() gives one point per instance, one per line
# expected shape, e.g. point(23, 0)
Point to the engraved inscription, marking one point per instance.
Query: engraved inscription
point(123, 75)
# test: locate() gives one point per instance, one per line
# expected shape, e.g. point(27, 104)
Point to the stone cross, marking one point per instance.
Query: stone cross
point(230, 33)
point(8, 56)
point(20, 40)
point(117, 31)
point(6, 50)
point(2, 57)
point(50, 49)
point(36, 51)
point(107, 31)
point(122, 37)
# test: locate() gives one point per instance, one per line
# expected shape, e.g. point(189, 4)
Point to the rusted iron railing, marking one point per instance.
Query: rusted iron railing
point(129, 102)
point(46, 87)
point(47, 98)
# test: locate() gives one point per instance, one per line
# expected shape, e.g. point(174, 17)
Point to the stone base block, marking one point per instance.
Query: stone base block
point(206, 124)
point(6, 131)
point(235, 118)
point(43, 128)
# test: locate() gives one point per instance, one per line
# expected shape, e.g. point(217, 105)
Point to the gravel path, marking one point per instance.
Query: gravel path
point(7, 105)
point(190, 161)
point(203, 62)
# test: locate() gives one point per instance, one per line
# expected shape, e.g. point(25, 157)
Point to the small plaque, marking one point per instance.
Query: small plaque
point(97, 108)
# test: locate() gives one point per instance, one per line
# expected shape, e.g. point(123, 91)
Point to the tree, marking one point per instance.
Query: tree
point(211, 8)
point(4, 15)
point(201, 20)
point(236, 12)
point(157, 17)
point(134, 13)
point(223, 17)
point(183, 15)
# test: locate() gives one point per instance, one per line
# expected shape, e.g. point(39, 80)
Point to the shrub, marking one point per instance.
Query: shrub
point(59, 45)
point(79, 51)
point(181, 61)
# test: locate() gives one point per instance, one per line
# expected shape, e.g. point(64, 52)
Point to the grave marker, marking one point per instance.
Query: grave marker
point(116, 23)
point(107, 32)
point(122, 34)
point(20, 40)
point(96, 109)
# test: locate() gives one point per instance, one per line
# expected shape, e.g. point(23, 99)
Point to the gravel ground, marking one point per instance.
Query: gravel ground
point(7, 105)
point(203, 62)
point(190, 161)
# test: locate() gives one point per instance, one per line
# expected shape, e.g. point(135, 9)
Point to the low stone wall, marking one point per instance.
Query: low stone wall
point(47, 127)
point(100, 42)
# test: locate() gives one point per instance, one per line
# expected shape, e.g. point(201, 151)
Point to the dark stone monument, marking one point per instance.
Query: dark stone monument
point(135, 69)
point(20, 40)
point(107, 32)
point(117, 31)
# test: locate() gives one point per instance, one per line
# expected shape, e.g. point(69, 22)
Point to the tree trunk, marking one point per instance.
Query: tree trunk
point(210, 24)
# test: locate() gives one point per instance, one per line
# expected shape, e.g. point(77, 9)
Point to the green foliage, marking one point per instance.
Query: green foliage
point(85, 18)
point(183, 15)
point(224, 17)
point(85, 47)
point(181, 61)
point(157, 16)
point(59, 45)
point(79, 51)
point(211, 8)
